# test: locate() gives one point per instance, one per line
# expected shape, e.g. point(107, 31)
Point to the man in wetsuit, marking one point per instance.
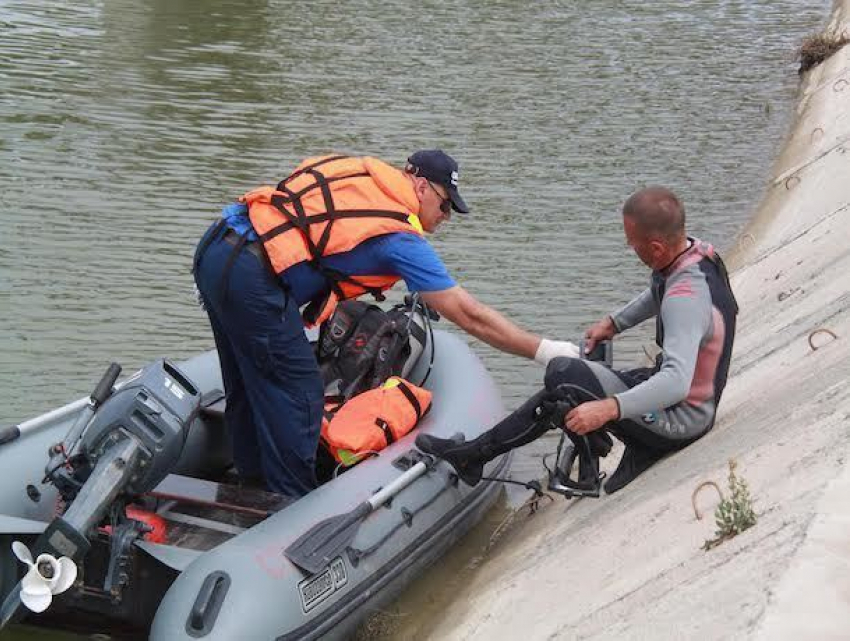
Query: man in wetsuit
point(652, 410)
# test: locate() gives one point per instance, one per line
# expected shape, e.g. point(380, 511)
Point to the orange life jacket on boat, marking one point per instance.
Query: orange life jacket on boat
point(371, 421)
point(329, 205)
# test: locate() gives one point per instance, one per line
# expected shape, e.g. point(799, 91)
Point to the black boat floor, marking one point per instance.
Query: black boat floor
point(202, 514)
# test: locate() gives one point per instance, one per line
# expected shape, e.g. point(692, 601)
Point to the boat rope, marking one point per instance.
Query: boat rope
point(533, 485)
point(426, 313)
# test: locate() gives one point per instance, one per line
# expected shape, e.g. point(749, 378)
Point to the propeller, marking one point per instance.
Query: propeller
point(46, 576)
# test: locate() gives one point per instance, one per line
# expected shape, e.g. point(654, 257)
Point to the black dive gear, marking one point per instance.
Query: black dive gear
point(637, 458)
point(361, 345)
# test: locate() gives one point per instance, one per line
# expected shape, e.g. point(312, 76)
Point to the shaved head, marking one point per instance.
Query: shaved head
point(657, 213)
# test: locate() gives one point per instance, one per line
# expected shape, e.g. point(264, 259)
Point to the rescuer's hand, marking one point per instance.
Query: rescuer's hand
point(552, 349)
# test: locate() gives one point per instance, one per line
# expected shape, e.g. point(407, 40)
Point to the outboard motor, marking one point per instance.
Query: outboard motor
point(153, 410)
point(123, 444)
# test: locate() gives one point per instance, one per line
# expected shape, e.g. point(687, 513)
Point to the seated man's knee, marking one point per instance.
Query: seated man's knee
point(574, 375)
point(564, 369)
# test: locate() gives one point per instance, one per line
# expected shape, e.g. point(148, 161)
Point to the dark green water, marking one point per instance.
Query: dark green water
point(125, 125)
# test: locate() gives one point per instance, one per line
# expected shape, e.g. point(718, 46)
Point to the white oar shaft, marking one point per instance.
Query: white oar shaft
point(59, 413)
point(53, 415)
point(381, 496)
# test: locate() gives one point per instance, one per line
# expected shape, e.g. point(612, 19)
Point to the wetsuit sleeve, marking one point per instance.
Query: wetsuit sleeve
point(635, 312)
point(686, 317)
point(412, 257)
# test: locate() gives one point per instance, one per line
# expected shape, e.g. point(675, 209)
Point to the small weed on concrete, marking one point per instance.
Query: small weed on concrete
point(817, 48)
point(734, 514)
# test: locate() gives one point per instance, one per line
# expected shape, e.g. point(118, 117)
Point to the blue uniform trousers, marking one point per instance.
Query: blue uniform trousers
point(273, 385)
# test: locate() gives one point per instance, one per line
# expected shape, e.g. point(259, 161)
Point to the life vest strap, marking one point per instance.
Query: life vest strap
point(385, 428)
point(334, 276)
point(330, 210)
point(277, 201)
point(363, 174)
point(285, 200)
point(301, 222)
point(307, 168)
point(207, 242)
point(239, 243)
point(410, 396)
point(228, 266)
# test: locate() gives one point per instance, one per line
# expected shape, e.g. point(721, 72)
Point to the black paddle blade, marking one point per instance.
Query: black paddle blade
point(314, 550)
point(11, 612)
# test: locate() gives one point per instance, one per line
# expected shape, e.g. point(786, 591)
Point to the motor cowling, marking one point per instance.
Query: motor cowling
point(155, 407)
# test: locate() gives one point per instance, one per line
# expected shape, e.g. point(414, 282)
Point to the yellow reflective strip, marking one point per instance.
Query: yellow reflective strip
point(414, 221)
point(392, 381)
point(347, 458)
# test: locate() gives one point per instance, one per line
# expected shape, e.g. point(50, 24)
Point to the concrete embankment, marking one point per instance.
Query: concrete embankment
point(631, 565)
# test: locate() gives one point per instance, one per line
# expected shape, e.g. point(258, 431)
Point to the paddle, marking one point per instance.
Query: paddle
point(88, 404)
point(317, 547)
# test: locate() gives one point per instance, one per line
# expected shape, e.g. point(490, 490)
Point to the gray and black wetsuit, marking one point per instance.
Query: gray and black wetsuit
point(695, 312)
point(673, 403)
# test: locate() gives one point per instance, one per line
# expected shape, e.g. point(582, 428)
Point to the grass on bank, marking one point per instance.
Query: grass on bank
point(818, 47)
point(735, 513)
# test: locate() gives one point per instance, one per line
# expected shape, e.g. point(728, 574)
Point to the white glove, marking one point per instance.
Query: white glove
point(552, 349)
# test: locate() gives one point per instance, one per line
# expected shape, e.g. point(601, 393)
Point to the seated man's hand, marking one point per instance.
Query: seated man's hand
point(600, 331)
point(592, 415)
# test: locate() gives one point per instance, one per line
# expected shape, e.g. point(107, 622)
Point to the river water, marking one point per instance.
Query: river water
point(125, 125)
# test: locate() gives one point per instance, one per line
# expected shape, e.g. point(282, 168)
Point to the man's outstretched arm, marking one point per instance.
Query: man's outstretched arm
point(488, 325)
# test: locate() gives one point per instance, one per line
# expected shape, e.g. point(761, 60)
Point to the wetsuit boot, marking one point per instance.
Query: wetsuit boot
point(637, 458)
point(468, 458)
point(532, 419)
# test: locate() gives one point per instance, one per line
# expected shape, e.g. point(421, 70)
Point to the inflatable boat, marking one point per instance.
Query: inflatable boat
point(131, 487)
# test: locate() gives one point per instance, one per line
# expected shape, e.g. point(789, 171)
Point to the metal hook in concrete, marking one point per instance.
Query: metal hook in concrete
point(791, 182)
point(840, 84)
point(697, 490)
point(749, 238)
point(820, 330)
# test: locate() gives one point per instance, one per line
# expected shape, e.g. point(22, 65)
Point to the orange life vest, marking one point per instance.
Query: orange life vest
point(374, 419)
point(329, 205)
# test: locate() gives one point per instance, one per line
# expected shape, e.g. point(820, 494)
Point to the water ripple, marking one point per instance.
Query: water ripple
point(125, 125)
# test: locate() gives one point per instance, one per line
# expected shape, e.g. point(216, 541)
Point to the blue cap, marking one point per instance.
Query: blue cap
point(438, 167)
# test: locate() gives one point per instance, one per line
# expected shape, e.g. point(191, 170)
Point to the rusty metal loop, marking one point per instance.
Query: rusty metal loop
point(697, 490)
point(791, 182)
point(747, 236)
point(820, 330)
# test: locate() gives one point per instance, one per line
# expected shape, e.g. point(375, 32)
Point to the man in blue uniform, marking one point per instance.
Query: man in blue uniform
point(652, 410)
point(272, 381)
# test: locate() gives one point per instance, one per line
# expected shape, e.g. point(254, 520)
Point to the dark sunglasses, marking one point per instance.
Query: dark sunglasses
point(445, 203)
